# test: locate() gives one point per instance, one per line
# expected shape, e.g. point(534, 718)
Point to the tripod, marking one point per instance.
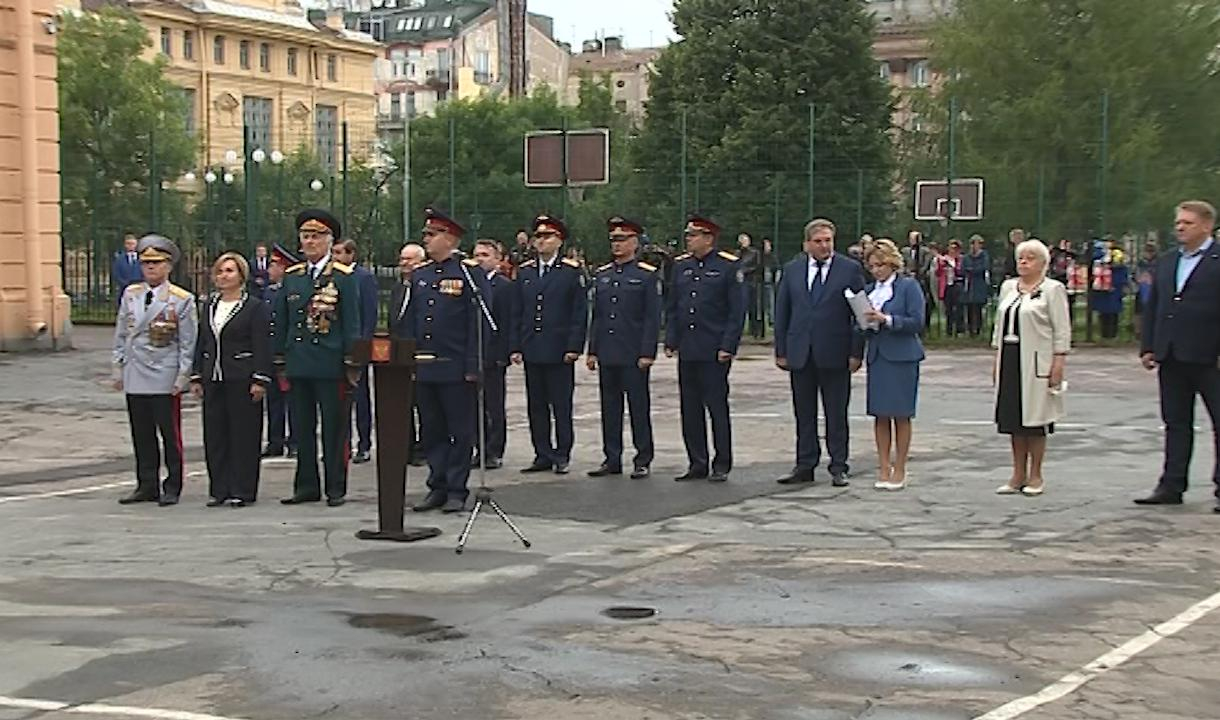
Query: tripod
point(482, 494)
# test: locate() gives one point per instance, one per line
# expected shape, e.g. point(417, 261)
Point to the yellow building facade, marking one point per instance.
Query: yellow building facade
point(34, 311)
point(263, 67)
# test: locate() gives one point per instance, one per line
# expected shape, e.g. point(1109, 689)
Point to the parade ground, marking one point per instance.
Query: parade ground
point(745, 600)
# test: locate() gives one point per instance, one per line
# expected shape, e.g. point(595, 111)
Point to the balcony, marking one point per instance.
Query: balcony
point(437, 78)
point(395, 120)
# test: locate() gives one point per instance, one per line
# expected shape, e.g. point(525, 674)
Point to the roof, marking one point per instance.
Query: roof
point(615, 60)
point(251, 13)
point(418, 21)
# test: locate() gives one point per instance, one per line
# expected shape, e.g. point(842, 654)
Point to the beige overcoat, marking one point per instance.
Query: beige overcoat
point(1046, 330)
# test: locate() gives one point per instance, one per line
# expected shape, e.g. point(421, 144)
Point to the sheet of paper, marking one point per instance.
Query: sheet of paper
point(860, 306)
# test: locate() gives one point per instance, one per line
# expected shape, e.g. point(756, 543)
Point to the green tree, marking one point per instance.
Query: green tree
point(740, 82)
point(1032, 81)
point(122, 127)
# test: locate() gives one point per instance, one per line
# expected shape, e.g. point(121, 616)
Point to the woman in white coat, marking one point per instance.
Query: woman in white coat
point(1032, 337)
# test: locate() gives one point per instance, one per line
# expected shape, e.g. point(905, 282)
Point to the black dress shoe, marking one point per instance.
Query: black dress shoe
point(136, 498)
point(272, 451)
point(495, 464)
point(561, 468)
point(838, 480)
point(474, 463)
point(640, 473)
point(299, 500)
point(431, 501)
point(797, 476)
point(335, 502)
point(536, 467)
point(1217, 508)
point(237, 503)
point(217, 503)
point(718, 477)
point(605, 470)
point(453, 505)
point(1160, 498)
point(292, 452)
point(361, 457)
point(167, 500)
point(692, 475)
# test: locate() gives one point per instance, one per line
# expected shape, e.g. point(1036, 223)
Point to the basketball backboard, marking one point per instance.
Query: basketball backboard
point(935, 201)
point(576, 158)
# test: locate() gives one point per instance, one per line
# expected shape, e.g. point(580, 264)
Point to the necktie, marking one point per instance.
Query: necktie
point(817, 286)
point(131, 258)
point(148, 298)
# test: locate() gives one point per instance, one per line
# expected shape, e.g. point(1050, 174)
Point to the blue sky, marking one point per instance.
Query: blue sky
point(641, 22)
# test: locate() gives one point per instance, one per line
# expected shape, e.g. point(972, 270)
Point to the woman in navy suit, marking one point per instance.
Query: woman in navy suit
point(894, 353)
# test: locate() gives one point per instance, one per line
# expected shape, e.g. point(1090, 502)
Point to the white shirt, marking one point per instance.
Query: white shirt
point(882, 293)
point(315, 268)
point(224, 310)
point(813, 266)
point(546, 267)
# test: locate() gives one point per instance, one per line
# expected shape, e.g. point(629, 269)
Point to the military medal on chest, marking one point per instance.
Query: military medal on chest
point(322, 307)
point(163, 330)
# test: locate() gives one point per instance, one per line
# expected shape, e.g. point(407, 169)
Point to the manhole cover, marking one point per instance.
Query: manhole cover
point(626, 612)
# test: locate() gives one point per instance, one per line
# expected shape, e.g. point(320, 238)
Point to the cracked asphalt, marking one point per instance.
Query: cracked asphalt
point(941, 602)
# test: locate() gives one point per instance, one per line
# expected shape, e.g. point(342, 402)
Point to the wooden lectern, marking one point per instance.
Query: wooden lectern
point(393, 376)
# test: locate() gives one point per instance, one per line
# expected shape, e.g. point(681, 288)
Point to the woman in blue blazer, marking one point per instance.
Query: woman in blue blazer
point(894, 353)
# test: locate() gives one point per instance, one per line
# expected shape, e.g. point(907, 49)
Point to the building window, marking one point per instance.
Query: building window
point(292, 61)
point(395, 106)
point(920, 76)
point(188, 45)
point(264, 57)
point(411, 104)
point(256, 116)
point(620, 105)
point(167, 45)
point(448, 22)
point(189, 98)
point(325, 124)
point(883, 70)
point(218, 49)
point(402, 24)
point(431, 23)
point(332, 67)
point(243, 54)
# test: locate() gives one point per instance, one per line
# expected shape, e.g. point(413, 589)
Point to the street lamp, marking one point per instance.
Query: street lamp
point(209, 177)
point(315, 185)
point(277, 159)
point(189, 176)
point(228, 178)
point(230, 157)
point(258, 156)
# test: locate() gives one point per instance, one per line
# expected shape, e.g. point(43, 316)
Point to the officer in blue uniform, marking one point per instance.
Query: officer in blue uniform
point(279, 410)
point(442, 318)
point(705, 313)
point(502, 301)
point(623, 346)
point(551, 327)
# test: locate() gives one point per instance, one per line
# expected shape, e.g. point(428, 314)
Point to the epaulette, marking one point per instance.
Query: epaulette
point(424, 264)
point(571, 263)
point(728, 256)
point(528, 263)
point(345, 269)
point(683, 256)
point(470, 262)
point(135, 287)
point(180, 293)
point(646, 266)
point(607, 266)
point(298, 268)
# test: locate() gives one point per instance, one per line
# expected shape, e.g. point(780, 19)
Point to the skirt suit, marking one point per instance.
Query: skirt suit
point(894, 351)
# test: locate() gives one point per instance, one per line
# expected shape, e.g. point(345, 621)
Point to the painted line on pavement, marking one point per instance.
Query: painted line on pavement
point(63, 493)
point(103, 709)
point(1073, 681)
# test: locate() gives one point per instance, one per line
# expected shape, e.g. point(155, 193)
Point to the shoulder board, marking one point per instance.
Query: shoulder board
point(425, 263)
point(728, 256)
point(135, 287)
point(570, 262)
point(470, 262)
point(178, 292)
point(341, 268)
point(528, 263)
point(647, 267)
point(298, 268)
point(683, 256)
point(607, 266)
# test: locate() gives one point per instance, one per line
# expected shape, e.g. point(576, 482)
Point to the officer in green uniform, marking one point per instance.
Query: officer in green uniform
point(319, 313)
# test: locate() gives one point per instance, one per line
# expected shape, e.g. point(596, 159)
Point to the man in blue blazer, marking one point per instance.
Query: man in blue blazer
point(502, 302)
point(347, 252)
point(1181, 340)
point(125, 269)
point(816, 342)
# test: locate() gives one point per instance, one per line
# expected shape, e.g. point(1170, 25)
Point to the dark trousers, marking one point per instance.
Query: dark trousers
point(548, 393)
point(447, 423)
point(703, 387)
point(1109, 325)
point(835, 388)
point(280, 414)
point(150, 416)
point(615, 381)
point(495, 419)
point(974, 319)
point(953, 310)
point(330, 397)
point(232, 427)
point(758, 324)
point(1180, 382)
point(364, 413)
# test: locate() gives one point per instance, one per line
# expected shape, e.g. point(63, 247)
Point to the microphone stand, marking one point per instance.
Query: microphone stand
point(482, 494)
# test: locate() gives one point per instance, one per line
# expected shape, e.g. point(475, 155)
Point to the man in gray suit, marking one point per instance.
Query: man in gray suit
point(154, 347)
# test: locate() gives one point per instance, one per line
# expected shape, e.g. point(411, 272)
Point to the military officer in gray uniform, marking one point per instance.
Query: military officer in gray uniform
point(154, 346)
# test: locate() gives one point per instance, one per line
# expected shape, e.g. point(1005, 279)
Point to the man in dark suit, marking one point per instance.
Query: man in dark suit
point(1181, 340)
point(260, 271)
point(816, 342)
point(348, 253)
point(551, 326)
point(125, 269)
point(409, 257)
point(502, 302)
point(279, 409)
point(705, 312)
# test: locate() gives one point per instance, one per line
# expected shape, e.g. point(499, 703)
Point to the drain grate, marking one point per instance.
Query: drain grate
point(627, 612)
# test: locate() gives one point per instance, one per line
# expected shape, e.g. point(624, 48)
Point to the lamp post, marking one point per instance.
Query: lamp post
point(277, 159)
point(209, 179)
point(258, 157)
